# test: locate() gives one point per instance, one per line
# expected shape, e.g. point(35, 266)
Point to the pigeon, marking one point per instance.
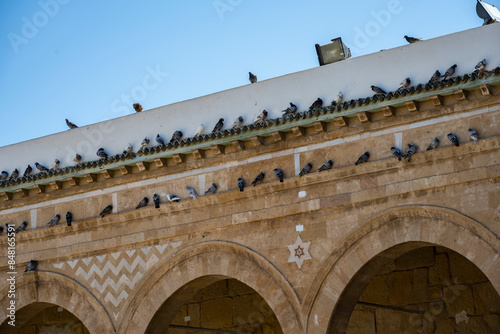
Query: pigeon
point(306, 169)
point(338, 99)
point(156, 200)
point(101, 154)
point(473, 135)
point(397, 152)
point(412, 40)
point(435, 77)
point(31, 266)
point(258, 179)
point(142, 203)
point(434, 143)
point(279, 174)
point(159, 140)
point(173, 198)
point(28, 170)
point(327, 165)
point(316, 104)
point(191, 192)
point(453, 139)
point(290, 110)
point(69, 218)
point(77, 159)
point(212, 189)
point(449, 72)
point(22, 227)
point(480, 66)
point(238, 122)
point(176, 136)
point(241, 183)
point(54, 220)
point(137, 107)
point(128, 149)
point(14, 175)
point(145, 142)
point(41, 168)
point(55, 165)
point(106, 210)
point(262, 117)
point(71, 125)
point(200, 130)
point(4, 175)
point(406, 82)
point(412, 149)
point(363, 158)
point(252, 77)
point(218, 126)
point(378, 90)
point(1, 229)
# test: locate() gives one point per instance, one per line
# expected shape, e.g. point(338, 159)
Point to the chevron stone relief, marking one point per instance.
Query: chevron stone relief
point(112, 276)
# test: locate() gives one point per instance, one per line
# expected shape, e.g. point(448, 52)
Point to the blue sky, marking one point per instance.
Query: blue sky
point(88, 60)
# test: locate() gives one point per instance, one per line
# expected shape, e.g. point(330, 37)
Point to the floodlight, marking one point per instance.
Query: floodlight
point(332, 52)
point(487, 12)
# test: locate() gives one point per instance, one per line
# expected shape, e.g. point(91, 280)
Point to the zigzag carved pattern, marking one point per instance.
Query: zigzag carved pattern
point(114, 275)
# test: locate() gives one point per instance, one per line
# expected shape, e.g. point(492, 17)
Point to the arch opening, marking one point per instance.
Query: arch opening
point(39, 317)
point(215, 304)
point(417, 287)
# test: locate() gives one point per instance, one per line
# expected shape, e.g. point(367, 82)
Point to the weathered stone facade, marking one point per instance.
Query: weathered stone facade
point(374, 238)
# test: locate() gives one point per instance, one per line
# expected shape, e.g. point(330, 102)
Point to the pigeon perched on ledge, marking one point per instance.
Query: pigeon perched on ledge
point(22, 227)
point(173, 198)
point(241, 183)
point(70, 124)
point(212, 189)
point(396, 152)
point(412, 149)
point(142, 203)
point(327, 165)
point(290, 110)
point(200, 130)
point(54, 220)
point(363, 158)
point(28, 170)
point(454, 139)
point(238, 122)
point(258, 179)
point(101, 153)
point(306, 169)
point(412, 40)
point(262, 117)
point(316, 104)
point(435, 77)
point(41, 168)
point(77, 159)
point(145, 142)
point(218, 126)
point(434, 143)
point(177, 135)
point(252, 77)
point(378, 90)
point(406, 82)
point(31, 266)
point(159, 140)
point(449, 72)
point(69, 218)
point(279, 174)
point(137, 107)
point(107, 210)
point(473, 135)
point(191, 192)
point(156, 200)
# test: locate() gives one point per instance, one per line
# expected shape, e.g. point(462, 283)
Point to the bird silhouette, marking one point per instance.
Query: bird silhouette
point(306, 169)
point(327, 165)
point(159, 140)
point(434, 143)
point(41, 168)
point(397, 152)
point(473, 135)
point(31, 266)
point(454, 139)
point(212, 189)
point(200, 130)
point(69, 218)
point(363, 158)
point(219, 125)
point(70, 124)
point(22, 226)
point(173, 198)
point(435, 77)
point(101, 153)
point(262, 117)
point(258, 179)
point(449, 72)
point(106, 210)
point(252, 77)
point(412, 40)
point(241, 183)
point(28, 170)
point(279, 174)
point(191, 192)
point(290, 110)
point(316, 104)
point(238, 122)
point(412, 149)
point(177, 135)
point(137, 107)
point(378, 90)
point(156, 201)
point(54, 220)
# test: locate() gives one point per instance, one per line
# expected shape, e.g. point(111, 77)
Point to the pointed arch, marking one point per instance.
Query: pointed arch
point(389, 235)
point(54, 288)
point(201, 265)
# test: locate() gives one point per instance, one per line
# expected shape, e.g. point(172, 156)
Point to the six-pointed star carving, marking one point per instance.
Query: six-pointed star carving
point(299, 251)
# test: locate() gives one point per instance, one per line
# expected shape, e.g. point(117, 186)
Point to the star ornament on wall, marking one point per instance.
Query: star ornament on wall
point(299, 251)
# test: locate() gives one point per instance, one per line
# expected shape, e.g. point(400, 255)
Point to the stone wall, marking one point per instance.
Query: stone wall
point(450, 294)
point(53, 320)
point(228, 305)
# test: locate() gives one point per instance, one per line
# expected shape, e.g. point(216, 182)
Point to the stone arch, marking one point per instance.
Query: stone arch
point(40, 287)
point(391, 234)
point(205, 263)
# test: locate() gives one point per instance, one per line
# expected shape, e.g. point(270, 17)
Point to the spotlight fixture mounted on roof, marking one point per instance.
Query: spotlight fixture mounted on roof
point(332, 52)
point(487, 12)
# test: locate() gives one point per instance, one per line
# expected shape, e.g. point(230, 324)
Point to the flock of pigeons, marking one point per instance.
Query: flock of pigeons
point(292, 109)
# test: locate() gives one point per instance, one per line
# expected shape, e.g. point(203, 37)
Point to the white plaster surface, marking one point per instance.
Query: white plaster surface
point(353, 77)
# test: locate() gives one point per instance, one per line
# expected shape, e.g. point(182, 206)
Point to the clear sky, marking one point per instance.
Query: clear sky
point(89, 60)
